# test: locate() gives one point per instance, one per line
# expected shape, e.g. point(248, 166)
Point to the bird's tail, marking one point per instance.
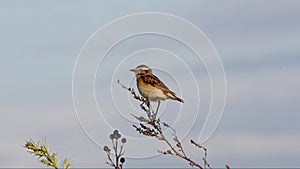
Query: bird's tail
point(179, 99)
point(174, 97)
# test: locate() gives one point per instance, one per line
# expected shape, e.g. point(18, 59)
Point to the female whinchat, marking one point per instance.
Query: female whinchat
point(151, 87)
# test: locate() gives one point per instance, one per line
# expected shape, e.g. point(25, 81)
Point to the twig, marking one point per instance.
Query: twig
point(151, 127)
point(131, 90)
point(150, 114)
point(205, 153)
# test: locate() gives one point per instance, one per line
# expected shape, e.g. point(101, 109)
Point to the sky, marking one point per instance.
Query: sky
point(59, 85)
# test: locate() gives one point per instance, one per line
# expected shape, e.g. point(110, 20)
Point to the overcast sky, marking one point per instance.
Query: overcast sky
point(256, 41)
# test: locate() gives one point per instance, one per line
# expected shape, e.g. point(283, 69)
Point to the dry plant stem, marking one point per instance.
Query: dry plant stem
point(143, 100)
point(117, 155)
point(150, 114)
point(179, 145)
point(115, 147)
point(117, 150)
point(109, 158)
point(175, 138)
point(121, 151)
point(156, 131)
point(205, 153)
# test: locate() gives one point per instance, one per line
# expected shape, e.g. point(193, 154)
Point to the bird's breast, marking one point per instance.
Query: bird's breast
point(150, 92)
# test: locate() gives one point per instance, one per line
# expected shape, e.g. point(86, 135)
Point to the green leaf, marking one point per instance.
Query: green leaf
point(46, 162)
point(66, 164)
point(53, 158)
point(38, 153)
point(44, 149)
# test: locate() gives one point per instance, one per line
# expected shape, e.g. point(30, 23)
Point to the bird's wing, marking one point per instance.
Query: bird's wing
point(155, 82)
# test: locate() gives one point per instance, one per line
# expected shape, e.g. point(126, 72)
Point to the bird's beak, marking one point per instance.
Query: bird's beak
point(132, 70)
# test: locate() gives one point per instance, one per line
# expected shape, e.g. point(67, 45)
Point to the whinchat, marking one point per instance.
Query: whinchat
point(151, 87)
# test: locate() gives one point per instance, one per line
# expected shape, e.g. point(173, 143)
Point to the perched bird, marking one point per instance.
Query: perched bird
point(151, 87)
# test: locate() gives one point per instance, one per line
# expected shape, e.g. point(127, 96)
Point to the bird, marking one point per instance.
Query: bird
point(151, 87)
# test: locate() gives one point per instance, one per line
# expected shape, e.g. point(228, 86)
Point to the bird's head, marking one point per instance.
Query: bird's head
point(142, 70)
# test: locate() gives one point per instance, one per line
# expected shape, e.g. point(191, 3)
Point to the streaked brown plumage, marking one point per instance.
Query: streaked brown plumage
point(151, 87)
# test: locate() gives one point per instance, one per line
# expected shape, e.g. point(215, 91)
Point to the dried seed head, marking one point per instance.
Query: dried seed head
point(122, 160)
point(116, 132)
point(123, 140)
point(105, 148)
point(116, 136)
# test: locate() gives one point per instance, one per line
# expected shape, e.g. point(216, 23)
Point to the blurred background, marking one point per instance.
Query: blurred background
point(258, 44)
